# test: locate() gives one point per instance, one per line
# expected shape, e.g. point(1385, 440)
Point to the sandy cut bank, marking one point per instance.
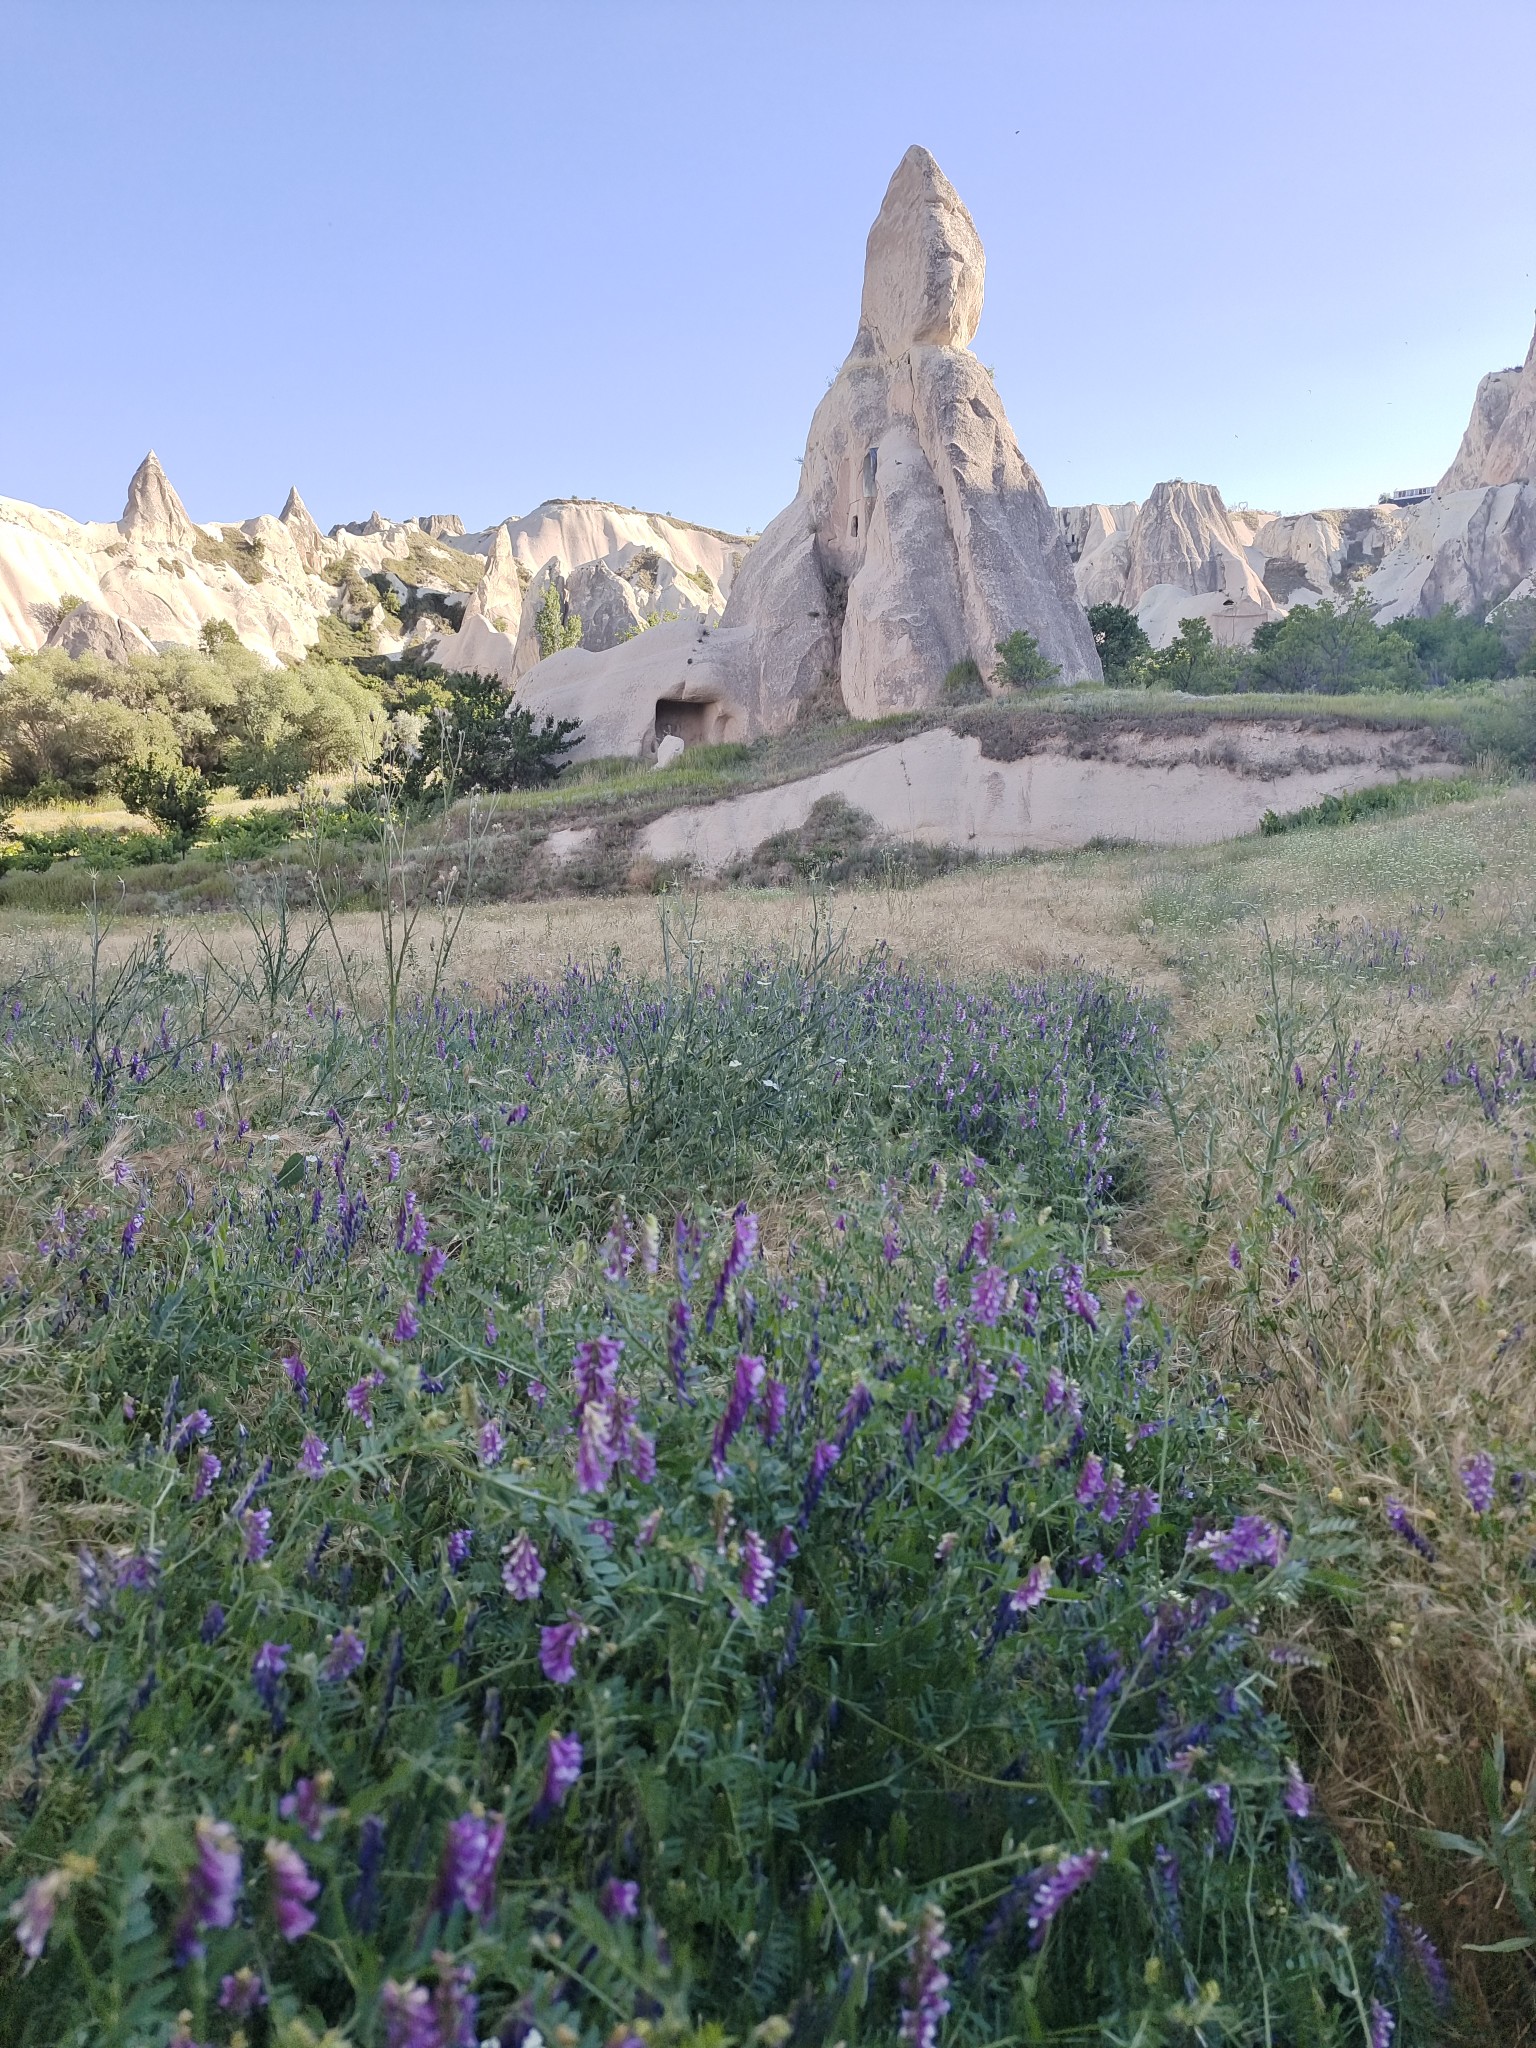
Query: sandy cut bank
point(939, 789)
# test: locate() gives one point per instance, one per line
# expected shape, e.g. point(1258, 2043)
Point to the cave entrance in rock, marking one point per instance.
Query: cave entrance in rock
point(693, 723)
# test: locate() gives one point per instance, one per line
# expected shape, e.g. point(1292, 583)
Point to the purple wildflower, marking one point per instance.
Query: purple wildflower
point(958, 1427)
point(619, 1899)
point(256, 1534)
point(1297, 1796)
point(198, 1424)
point(1250, 1541)
point(460, 1543)
point(924, 2003)
point(60, 1693)
point(407, 1324)
point(1062, 1393)
point(213, 1623)
point(409, 2021)
point(313, 1456)
point(132, 1230)
point(757, 1570)
point(1235, 1258)
point(522, 1574)
point(562, 1771)
point(1033, 1588)
point(346, 1653)
point(492, 1444)
point(33, 1912)
point(557, 1649)
point(1383, 2026)
point(597, 1450)
point(209, 1467)
point(823, 1458)
point(1220, 1797)
point(750, 1374)
point(306, 1804)
point(471, 1853)
point(267, 1667)
point(1401, 1524)
point(1056, 1886)
point(1090, 1481)
point(942, 1298)
point(989, 1296)
point(431, 1272)
point(738, 1257)
point(360, 1397)
point(241, 1993)
point(772, 1404)
point(292, 1888)
point(1477, 1481)
point(784, 1545)
point(1076, 1299)
point(1430, 1962)
point(213, 1885)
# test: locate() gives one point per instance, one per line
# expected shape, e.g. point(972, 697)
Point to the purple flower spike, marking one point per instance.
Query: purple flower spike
point(1478, 1474)
point(557, 1650)
point(562, 1771)
point(292, 1889)
point(1056, 1887)
point(213, 1885)
point(737, 1259)
point(619, 1899)
point(1383, 2025)
point(471, 1855)
point(1090, 1481)
point(60, 1693)
point(241, 1993)
point(256, 1532)
point(757, 1570)
point(750, 1374)
point(346, 1654)
point(1035, 1585)
point(313, 1457)
point(989, 1296)
point(409, 2021)
point(1298, 1793)
point(407, 1325)
point(522, 1574)
point(492, 1444)
point(360, 1398)
point(460, 1543)
point(1401, 1524)
point(1220, 1797)
point(924, 2003)
point(306, 1805)
point(33, 1912)
point(267, 1667)
point(1250, 1541)
point(209, 1469)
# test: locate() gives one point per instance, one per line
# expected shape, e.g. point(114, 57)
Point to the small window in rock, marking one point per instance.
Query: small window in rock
point(871, 464)
point(855, 525)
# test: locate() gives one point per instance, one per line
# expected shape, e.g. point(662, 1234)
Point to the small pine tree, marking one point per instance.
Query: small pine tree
point(175, 796)
point(1020, 663)
point(556, 629)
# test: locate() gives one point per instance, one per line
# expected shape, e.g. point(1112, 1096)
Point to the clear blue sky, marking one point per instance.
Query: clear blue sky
point(462, 256)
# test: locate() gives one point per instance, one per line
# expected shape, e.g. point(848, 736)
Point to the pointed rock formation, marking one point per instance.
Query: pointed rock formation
point(154, 514)
point(920, 535)
point(1184, 535)
point(440, 525)
point(87, 629)
point(1488, 410)
point(1512, 452)
point(498, 596)
point(302, 530)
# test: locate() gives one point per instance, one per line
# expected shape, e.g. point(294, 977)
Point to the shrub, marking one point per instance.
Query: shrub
point(1191, 662)
point(1453, 649)
point(556, 627)
point(1021, 663)
point(963, 684)
point(175, 796)
point(1120, 639)
point(215, 635)
point(1385, 799)
point(1333, 649)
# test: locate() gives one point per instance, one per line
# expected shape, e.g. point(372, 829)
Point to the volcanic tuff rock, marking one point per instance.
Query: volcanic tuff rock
point(919, 535)
point(1511, 454)
point(1489, 408)
point(86, 629)
point(154, 514)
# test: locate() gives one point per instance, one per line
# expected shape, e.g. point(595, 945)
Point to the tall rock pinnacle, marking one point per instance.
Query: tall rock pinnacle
point(154, 513)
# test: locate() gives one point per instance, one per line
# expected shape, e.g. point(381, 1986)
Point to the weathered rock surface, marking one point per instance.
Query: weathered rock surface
point(1489, 408)
point(85, 629)
point(570, 531)
point(308, 542)
point(1511, 456)
point(154, 515)
point(919, 536)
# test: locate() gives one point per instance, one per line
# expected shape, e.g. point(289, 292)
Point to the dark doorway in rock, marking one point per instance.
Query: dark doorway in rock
point(693, 724)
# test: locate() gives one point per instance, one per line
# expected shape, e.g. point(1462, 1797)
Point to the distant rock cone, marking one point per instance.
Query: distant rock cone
point(920, 536)
point(1512, 452)
point(154, 514)
point(498, 596)
point(87, 629)
point(302, 530)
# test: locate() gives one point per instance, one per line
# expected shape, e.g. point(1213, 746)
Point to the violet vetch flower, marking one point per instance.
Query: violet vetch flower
point(522, 1573)
point(213, 1885)
point(60, 1693)
point(298, 1375)
point(1033, 1588)
point(406, 2010)
point(213, 1623)
point(597, 1450)
point(619, 1899)
point(1477, 1481)
point(132, 1231)
point(1250, 1541)
point(346, 1653)
point(1076, 1299)
point(738, 1257)
point(454, 2005)
point(241, 1993)
point(757, 1570)
point(923, 1990)
point(750, 1374)
point(267, 1667)
point(407, 1325)
point(1235, 1259)
point(1401, 1524)
point(1297, 1797)
point(557, 1649)
point(471, 1854)
point(773, 1402)
point(256, 1535)
point(1430, 1962)
point(313, 1457)
point(198, 1424)
point(1062, 1393)
point(1057, 1885)
point(359, 1397)
point(1090, 1481)
point(363, 1902)
point(1383, 2025)
point(431, 1271)
point(1220, 1797)
point(306, 1805)
point(492, 1444)
point(989, 1296)
point(460, 1543)
point(34, 1911)
point(562, 1771)
point(823, 1458)
point(292, 1889)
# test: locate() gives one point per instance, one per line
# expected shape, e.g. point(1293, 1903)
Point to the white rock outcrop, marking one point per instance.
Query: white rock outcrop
point(919, 536)
point(154, 516)
point(85, 629)
point(1511, 456)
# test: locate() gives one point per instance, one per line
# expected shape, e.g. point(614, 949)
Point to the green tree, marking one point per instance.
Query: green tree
point(1020, 663)
point(217, 634)
point(1120, 639)
point(1334, 650)
point(485, 741)
point(1453, 648)
point(556, 628)
point(1191, 662)
point(175, 796)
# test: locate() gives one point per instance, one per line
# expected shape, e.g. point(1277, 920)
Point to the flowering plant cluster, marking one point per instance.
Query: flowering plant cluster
point(861, 1628)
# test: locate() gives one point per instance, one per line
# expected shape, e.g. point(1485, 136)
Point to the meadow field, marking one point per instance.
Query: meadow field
point(945, 1460)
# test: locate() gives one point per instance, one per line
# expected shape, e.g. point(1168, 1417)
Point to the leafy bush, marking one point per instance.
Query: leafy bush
point(1120, 639)
point(1452, 648)
point(1021, 663)
point(668, 1636)
point(1191, 662)
point(1333, 649)
point(963, 684)
point(176, 797)
point(486, 741)
point(1385, 799)
point(556, 627)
